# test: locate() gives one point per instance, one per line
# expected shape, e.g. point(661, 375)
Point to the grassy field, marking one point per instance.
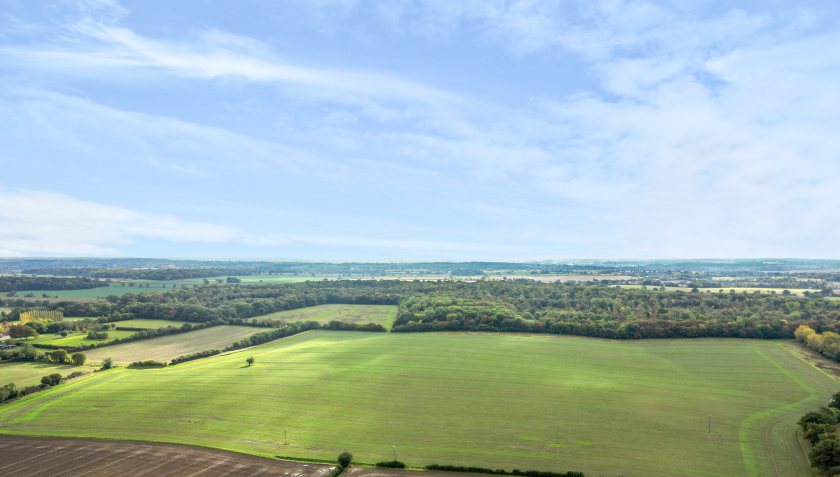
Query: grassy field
point(379, 314)
point(148, 324)
point(167, 347)
point(544, 402)
point(77, 338)
point(26, 374)
point(778, 291)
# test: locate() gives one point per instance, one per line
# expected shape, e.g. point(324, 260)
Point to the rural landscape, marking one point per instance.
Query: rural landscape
point(419, 238)
point(566, 369)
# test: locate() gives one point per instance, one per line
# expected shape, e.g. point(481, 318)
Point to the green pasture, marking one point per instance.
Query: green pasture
point(380, 314)
point(148, 324)
point(27, 374)
point(165, 348)
point(606, 408)
point(76, 338)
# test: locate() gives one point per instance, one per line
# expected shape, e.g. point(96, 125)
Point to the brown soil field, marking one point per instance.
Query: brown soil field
point(51, 457)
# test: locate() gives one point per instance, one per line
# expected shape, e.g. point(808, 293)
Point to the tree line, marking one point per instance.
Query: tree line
point(14, 283)
point(820, 429)
point(510, 306)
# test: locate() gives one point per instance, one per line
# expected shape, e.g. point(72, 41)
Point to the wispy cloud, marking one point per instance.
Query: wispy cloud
point(39, 222)
point(698, 131)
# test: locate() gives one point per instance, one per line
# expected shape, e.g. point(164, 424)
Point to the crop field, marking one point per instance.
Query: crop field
point(165, 348)
point(26, 374)
point(702, 407)
point(40, 457)
point(148, 324)
point(380, 314)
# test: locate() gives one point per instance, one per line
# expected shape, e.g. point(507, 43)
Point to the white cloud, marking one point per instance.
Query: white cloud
point(213, 54)
point(46, 223)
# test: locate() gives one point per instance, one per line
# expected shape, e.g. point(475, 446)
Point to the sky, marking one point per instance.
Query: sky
point(420, 130)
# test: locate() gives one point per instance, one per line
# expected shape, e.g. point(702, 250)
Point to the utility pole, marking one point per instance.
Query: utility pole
point(285, 437)
point(395, 452)
point(710, 425)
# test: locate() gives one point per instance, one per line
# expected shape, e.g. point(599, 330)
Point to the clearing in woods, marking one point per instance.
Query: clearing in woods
point(165, 348)
point(380, 314)
point(603, 407)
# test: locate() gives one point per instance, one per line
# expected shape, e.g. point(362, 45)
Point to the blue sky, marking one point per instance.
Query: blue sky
point(409, 130)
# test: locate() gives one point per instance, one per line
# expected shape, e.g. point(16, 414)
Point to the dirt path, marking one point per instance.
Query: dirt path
point(55, 457)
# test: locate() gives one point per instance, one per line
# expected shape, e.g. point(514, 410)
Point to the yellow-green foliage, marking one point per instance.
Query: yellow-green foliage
point(41, 315)
point(827, 343)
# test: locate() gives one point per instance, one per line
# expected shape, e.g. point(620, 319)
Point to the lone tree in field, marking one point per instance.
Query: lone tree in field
point(107, 363)
point(344, 459)
point(250, 360)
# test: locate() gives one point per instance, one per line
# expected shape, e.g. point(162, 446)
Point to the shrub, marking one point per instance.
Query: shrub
point(484, 470)
point(149, 363)
point(75, 374)
point(8, 392)
point(97, 335)
point(199, 355)
point(51, 380)
point(79, 358)
point(344, 459)
point(391, 464)
point(58, 356)
point(107, 363)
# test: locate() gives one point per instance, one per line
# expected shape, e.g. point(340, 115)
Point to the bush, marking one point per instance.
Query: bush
point(344, 459)
point(79, 358)
point(97, 335)
point(199, 355)
point(75, 374)
point(484, 470)
point(51, 380)
point(107, 363)
point(149, 363)
point(8, 392)
point(58, 356)
point(391, 464)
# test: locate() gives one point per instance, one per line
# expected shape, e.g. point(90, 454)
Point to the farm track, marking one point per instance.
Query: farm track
point(55, 457)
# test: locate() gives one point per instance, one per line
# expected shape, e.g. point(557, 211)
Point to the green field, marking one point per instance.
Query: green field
point(120, 288)
point(778, 291)
point(513, 401)
point(148, 324)
point(27, 374)
point(165, 348)
point(76, 338)
point(380, 314)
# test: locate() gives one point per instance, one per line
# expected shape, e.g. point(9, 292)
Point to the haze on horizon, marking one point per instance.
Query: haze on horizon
point(476, 130)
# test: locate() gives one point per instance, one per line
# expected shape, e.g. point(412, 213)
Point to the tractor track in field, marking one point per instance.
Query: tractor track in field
point(60, 457)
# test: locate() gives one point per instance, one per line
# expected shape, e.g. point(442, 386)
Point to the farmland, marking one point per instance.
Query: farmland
point(379, 314)
point(148, 324)
point(492, 400)
point(165, 348)
point(78, 338)
point(96, 458)
point(26, 374)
